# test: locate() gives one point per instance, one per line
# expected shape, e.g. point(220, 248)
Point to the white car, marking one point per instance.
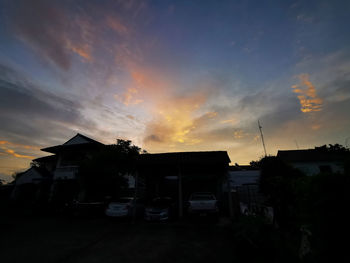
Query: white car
point(122, 207)
point(203, 204)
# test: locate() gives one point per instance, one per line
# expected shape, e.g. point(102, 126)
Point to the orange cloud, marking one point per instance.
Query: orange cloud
point(316, 127)
point(175, 121)
point(83, 50)
point(116, 25)
point(239, 134)
point(84, 53)
point(4, 142)
point(128, 97)
point(308, 98)
point(13, 153)
point(83, 38)
point(232, 121)
point(150, 82)
point(144, 85)
point(7, 151)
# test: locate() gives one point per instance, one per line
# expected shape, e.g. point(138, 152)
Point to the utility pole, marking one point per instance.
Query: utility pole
point(179, 178)
point(229, 193)
point(136, 175)
point(262, 137)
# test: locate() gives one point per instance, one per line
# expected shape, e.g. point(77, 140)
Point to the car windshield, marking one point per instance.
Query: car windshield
point(202, 197)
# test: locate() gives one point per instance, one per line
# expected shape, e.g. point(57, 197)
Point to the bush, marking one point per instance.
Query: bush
point(260, 242)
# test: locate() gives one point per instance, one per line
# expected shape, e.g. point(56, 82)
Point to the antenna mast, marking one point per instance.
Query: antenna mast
point(296, 144)
point(262, 137)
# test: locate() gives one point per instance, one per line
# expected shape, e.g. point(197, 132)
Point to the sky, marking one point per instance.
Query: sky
point(173, 75)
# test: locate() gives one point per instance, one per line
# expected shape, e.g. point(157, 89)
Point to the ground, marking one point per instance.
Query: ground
point(39, 239)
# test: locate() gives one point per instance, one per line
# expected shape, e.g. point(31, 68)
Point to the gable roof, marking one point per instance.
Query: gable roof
point(310, 155)
point(78, 141)
point(213, 157)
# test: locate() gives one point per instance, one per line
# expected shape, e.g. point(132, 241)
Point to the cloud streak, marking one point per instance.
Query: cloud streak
point(17, 155)
point(52, 32)
point(30, 112)
point(42, 25)
point(31, 147)
point(4, 146)
point(116, 25)
point(309, 101)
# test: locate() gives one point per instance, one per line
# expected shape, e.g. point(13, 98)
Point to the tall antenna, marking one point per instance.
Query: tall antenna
point(262, 137)
point(296, 144)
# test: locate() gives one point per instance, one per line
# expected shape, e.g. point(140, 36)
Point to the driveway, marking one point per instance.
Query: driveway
point(35, 239)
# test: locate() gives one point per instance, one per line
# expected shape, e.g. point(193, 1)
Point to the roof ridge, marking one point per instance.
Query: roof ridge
point(84, 136)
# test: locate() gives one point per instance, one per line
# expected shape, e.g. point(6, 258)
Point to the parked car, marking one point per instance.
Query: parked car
point(160, 209)
point(124, 207)
point(203, 204)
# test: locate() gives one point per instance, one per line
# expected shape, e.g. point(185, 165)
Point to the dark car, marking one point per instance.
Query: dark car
point(160, 209)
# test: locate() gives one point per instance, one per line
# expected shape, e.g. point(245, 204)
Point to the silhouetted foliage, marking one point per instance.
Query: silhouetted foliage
point(322, 205)
point(333, 148)
point(260, 242)
point(277, 183)
point(319, 203)
point(103, 174)
point(255, 164)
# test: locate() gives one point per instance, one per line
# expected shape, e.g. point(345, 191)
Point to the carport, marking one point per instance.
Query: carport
point(180, 174)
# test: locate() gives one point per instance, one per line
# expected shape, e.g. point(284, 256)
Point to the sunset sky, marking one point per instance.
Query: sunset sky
point(173, 75)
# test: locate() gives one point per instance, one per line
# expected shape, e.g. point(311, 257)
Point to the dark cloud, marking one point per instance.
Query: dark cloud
point(335, 117)
point(28, 112)
point(153, 138)
point(58, 29)
point(43, 25)
point(287, 111)
point(19, 101)
point(337, 89)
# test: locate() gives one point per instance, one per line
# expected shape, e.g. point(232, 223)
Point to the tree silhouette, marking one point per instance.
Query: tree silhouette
point(103, 173)
point(277, 183)
point(333, 148)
